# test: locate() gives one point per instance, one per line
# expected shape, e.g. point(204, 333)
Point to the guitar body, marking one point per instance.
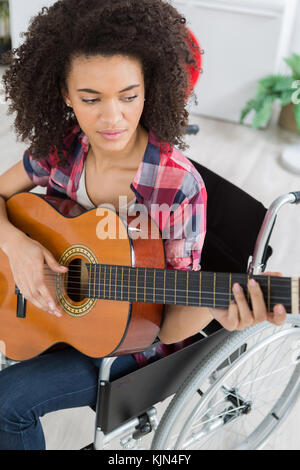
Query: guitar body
point(95, 327)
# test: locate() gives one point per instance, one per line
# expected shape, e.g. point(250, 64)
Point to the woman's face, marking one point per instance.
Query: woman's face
point(106, 94)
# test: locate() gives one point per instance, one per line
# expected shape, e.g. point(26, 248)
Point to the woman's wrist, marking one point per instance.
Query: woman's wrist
point(12, 236)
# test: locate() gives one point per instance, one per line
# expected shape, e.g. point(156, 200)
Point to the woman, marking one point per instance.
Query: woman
point(99, 90)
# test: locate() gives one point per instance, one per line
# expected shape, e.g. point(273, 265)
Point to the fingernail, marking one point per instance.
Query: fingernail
point(236, 287)
point(51, 306)
point(252, 282)
point(280, 309)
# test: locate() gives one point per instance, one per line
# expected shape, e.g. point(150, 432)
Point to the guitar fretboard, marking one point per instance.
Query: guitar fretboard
point(191, 288)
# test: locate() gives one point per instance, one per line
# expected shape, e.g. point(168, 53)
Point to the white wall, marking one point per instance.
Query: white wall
point(295, 43)
point(20, 13)
point(243, 40)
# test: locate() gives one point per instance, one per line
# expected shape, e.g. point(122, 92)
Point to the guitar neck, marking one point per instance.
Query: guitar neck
point(190, 288)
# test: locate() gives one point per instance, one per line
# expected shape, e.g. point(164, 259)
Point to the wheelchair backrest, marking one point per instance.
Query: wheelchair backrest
point(234, 219)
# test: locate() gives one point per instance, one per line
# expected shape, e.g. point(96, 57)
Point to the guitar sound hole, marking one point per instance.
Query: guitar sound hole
point(76, 280)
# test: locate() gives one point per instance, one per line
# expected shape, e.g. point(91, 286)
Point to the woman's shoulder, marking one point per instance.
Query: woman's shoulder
point(181, 166)
point(74, 138)
point(191, 181)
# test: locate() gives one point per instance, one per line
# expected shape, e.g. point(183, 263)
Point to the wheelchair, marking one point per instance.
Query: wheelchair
point(228, 390)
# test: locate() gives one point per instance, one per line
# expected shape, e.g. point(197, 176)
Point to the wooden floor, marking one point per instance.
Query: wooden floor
point(248, 158)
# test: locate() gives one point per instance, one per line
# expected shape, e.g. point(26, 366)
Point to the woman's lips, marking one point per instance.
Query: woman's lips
point(111, 136)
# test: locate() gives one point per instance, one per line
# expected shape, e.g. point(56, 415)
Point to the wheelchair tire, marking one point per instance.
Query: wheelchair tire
point(217, 405)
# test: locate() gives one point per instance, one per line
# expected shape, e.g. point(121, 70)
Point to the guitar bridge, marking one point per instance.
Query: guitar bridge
point(21, 304)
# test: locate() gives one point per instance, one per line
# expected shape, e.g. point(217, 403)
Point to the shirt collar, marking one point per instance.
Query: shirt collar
point(145, 178)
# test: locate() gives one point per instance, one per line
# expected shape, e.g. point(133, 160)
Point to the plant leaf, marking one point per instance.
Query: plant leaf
point(275, 83)
point(297, 115)
point(262, 116)
point(253, 104)
point(286, 97)
point(294, 63)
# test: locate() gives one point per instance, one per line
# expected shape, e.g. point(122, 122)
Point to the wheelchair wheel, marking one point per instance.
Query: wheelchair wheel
point(239, 394)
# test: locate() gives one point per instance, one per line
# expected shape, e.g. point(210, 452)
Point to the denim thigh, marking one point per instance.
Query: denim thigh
point(52, 381)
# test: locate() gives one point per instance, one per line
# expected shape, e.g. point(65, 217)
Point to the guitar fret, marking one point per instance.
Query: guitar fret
point(215, 278)
point(94, 266)
point(89, 279)
point(175, 285)
point(230, 289)
point(145, 276)
point(109, 282)
point(154, 285)
point(269, 287)
point(164, 287)
point(95, 280)
point(100, 281)
point(116, 275)
point(129, 284)
point(136, 288)
point(187, 287)
point(200, 287)
point(248, 293)
point(122, 283)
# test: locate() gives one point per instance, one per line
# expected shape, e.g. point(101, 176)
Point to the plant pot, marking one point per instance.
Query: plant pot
point(4, 47)
point(287, 118)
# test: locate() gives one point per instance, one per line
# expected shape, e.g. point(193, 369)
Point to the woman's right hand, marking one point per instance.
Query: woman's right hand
point(27, 258)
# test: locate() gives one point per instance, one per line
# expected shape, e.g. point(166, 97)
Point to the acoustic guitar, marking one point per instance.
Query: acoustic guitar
point(112, 296)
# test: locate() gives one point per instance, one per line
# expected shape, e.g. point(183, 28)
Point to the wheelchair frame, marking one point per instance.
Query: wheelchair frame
point(128, 402)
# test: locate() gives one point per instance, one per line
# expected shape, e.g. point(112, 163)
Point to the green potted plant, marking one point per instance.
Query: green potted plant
point(5, 39)
point(286, 89)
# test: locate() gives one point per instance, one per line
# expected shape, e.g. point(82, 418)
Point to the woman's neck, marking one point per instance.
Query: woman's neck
point(129, 157)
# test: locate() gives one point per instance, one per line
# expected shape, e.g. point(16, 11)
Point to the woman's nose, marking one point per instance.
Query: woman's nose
point(111, 112)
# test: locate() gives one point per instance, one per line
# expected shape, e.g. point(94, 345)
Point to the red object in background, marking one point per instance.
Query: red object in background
point(193, 72)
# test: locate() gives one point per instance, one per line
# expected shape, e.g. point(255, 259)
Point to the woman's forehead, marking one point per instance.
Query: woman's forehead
point(105, 64)
point(110, 72)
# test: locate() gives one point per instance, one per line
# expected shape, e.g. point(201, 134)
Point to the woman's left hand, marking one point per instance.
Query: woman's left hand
point(239, 316)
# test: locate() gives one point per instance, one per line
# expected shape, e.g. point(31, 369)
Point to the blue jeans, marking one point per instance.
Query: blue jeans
point(52, 381)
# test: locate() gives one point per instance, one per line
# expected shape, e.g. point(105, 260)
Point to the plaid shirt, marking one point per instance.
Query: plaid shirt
point(166, 183)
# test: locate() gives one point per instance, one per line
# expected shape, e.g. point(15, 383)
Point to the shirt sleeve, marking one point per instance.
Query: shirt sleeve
point(37, 170)
point(187, 230)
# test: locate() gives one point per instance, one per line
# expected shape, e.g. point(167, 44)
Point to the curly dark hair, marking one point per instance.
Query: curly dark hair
point(151, 30)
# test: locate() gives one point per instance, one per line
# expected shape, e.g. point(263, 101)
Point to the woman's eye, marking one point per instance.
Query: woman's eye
point(90, 101)
point(93, 101)
point(131, 98)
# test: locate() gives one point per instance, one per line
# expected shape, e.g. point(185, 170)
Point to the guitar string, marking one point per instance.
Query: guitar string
point(275, 282)
point(161, 271)
point(242, 276)
point(158, 270)
point(221, 295)
point(114, 286)
point(205, 285)
point(264, 280)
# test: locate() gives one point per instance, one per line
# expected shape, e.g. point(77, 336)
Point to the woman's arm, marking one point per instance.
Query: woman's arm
point(181, 322)
point(15, 180)
point(27, 257)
